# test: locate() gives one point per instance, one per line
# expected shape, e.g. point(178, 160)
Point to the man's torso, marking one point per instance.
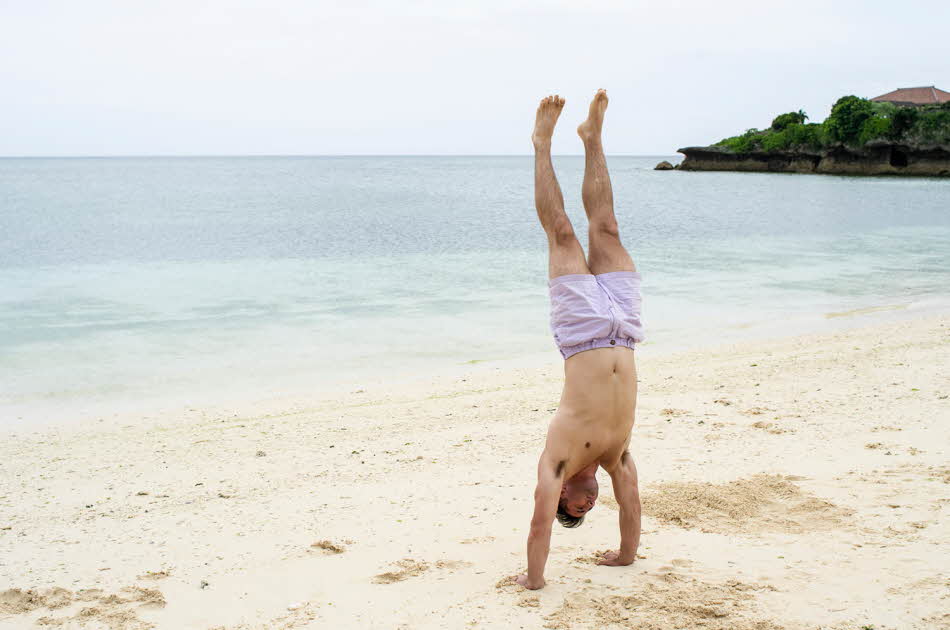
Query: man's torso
point(596, 413)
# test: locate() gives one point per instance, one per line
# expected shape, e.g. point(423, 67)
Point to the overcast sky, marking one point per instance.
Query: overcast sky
point(438, 77)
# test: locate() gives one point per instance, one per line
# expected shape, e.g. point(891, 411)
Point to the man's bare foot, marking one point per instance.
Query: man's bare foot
point(590, 128)
point(546, 118)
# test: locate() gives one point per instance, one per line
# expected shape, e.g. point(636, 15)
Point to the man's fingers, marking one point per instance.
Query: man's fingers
point(609, 558)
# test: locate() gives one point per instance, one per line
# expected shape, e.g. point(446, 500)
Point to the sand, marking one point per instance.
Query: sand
point(791, 483)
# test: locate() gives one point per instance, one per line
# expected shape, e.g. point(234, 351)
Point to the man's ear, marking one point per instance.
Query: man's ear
point(563, 491)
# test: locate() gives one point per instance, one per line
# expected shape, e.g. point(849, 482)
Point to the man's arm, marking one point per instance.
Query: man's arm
point(546, 495)
point(627, 493)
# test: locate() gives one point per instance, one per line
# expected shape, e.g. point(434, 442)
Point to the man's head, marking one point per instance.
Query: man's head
point(578, 495)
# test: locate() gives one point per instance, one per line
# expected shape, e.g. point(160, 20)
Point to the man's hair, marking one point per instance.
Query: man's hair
point(566, 519)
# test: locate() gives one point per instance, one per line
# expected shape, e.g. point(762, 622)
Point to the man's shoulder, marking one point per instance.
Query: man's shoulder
point(616, 455)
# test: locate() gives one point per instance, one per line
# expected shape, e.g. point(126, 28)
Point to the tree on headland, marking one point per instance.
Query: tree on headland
point(782, 121)
point(903, 120)
point(847, 118)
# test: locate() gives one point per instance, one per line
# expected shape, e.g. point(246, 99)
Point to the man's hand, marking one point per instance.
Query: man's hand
point(523, 581)
point(614, 559)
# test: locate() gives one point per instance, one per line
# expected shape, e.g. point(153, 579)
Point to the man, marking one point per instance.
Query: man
point(595, 317)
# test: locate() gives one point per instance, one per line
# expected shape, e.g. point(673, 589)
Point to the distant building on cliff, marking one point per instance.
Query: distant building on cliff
point(927, 95)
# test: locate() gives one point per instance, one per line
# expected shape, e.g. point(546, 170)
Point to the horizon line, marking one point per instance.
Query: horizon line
point(305, 155)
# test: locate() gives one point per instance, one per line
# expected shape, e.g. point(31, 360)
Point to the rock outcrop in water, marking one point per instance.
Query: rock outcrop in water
point(875, 158)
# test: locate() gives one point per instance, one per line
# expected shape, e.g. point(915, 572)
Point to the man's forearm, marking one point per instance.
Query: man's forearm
point(627, 492)
point(539, 545)
point(630, 530)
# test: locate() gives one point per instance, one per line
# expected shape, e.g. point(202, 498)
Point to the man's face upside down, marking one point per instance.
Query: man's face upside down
point(577, 499)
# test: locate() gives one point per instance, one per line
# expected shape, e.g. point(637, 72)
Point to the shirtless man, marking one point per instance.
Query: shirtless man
point(595, 317)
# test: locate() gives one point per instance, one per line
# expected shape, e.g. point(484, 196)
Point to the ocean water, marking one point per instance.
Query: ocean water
point(128, 284)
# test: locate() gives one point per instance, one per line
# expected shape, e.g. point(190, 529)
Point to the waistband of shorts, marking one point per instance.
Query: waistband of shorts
point(587, 277)
point(604, 342)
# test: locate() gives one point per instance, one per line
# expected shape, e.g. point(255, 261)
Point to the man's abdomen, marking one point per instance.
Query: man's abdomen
point(600, 387)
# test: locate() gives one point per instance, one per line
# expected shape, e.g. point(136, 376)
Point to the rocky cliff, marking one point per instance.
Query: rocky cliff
point(875, 158)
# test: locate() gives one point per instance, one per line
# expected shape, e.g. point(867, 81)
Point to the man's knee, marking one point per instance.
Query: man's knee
point(606, 227)
point(563, 231)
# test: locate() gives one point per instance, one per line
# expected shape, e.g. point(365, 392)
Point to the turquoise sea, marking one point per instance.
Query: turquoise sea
point(128, 284)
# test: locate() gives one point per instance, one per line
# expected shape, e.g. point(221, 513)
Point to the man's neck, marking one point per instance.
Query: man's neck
point(586, 473)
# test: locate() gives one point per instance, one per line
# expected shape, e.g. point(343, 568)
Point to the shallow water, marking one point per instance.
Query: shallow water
point(125, 282)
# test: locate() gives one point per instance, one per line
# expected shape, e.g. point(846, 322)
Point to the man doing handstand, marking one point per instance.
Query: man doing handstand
point(595, 317)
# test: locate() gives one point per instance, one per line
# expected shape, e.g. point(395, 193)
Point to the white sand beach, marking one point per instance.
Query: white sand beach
point(794, 483)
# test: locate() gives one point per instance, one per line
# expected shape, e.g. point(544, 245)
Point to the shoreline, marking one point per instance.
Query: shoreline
point(314, 388)
point(815, 465)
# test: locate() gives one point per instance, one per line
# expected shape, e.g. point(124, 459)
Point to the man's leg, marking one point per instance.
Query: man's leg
point(605, 252)
point(565, 254)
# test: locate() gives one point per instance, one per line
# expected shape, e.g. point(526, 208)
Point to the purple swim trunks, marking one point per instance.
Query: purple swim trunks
point(599, 311)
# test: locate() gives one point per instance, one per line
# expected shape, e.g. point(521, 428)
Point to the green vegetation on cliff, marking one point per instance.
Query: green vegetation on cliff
point(854, 122)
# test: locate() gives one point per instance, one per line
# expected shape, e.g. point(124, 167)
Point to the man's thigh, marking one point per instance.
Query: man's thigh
point(567, 258)
point(606, 254)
